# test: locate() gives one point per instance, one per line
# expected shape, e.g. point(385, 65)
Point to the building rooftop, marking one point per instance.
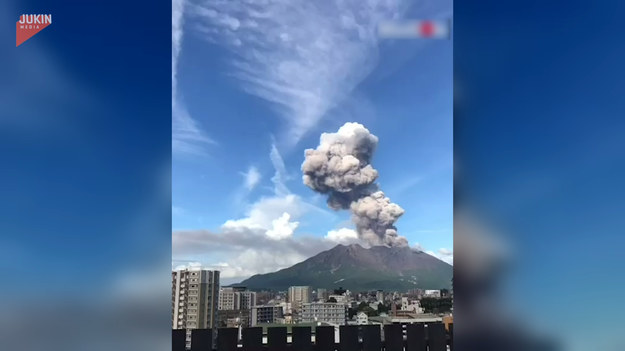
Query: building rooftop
point(414, 318)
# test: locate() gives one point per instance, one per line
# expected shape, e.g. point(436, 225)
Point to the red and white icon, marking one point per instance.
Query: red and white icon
point(425, 29)
point(29, 25)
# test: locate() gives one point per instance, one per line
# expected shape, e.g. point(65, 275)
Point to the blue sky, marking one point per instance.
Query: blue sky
point(256, 86)
point(542, 161)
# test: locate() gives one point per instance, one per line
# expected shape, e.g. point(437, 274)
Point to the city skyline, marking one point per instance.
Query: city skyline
point(239, 204)
point(200, 302)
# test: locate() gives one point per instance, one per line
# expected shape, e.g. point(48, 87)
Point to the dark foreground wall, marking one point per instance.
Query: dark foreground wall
point(396, 337)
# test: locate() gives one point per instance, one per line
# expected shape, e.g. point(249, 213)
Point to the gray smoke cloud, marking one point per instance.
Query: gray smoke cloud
point(340, 167)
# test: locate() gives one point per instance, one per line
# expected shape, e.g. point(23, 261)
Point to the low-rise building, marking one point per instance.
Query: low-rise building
point(432, 293)
point(233, 318)
point(327, 312)
point(286, 306)
point(265, 314)
point(362, 318)
point(339, 298)
point(406, 319)
point(411, 305)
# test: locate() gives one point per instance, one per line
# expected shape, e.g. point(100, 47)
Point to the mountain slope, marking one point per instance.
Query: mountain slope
point(356, 268)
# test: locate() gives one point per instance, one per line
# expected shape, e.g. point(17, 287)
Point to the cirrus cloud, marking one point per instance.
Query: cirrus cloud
point(251, 178)
point(304, 57)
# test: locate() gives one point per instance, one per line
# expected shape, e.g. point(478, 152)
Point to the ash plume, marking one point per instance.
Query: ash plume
point(340, 167)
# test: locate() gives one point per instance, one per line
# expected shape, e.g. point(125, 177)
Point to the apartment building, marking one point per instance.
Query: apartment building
point(327, 312)
point(322, 294)
point(299, 295)
point(236, 298)
point(265, 314)
point(195, 294)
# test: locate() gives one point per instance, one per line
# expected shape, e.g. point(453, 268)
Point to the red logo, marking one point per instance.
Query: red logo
point(427, 28)
point(29, 25)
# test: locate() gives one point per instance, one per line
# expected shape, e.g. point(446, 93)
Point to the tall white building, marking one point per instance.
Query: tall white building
point(195, 294)
point(328, 312)
point(247, 300)
point(299, 295)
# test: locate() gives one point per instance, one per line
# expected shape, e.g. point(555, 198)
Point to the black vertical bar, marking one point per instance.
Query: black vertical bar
point(201, 340)
point(451, 336)
point(415, 337)
point(178, 339)
point(393, 337)
point(324, 338)
point(227, 339)
point(348, 337)
point(276, 339)
point(436, 337)
point(371, 338)
point(253, 339)
point(301, 339)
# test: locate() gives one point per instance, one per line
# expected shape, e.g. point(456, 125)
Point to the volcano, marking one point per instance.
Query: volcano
point(356, 268)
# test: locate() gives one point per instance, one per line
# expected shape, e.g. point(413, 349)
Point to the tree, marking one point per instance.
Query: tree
point(370, 311)
point(434, 305)
point(339, 291)
point(332, 299)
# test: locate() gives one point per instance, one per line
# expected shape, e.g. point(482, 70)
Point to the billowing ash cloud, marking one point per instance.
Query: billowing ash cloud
point(340, 167)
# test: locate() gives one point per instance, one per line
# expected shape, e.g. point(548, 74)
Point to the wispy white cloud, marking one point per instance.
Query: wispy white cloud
point(269, 211)
point(302, 56)
point(247, 251)
point(187, 137)
point(272, 214)
point(281, 176)
point(250, 243)
point(443, 254)
point(177, 15)
point(251, 178)
point(263, 213)
point(189, 265)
